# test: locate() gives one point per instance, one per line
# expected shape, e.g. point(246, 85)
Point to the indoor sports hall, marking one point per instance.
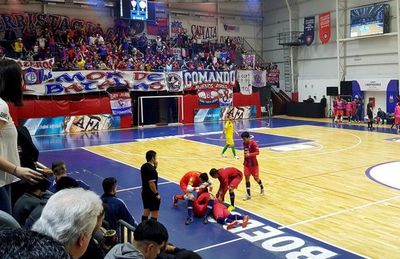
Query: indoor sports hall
point(314, 82)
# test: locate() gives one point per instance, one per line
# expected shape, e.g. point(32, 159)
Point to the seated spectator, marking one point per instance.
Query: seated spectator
point(59, 169)
point(35, 195)
point(309, 99)
point(380, 116)
point(149, 239)
point(7, 221)
point(71, 216)
point(172, 252)
point(115, 208)
point(19, 243)
point(64, 183)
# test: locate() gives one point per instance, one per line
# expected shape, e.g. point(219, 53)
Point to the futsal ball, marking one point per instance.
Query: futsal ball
point(189, 188)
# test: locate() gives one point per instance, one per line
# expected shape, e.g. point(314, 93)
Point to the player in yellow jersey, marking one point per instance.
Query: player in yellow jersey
point(229, 130)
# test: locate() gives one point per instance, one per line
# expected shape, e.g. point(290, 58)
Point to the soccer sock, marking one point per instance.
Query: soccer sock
point(235, 217)
point(232, 196)
point(179, 196)
point(154, 218)
point(144, 218)
point(248, 188)
point(225, 148)
point(210, 206)
point(234, 151)
point(261, 185)
point(190, 208)
point(221, 221)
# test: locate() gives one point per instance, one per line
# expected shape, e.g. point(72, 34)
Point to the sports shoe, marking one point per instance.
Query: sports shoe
point(174, 201)
point(245, 221)
point(247, 197)
point(188, 221)
point(231, 225)
point(262, 192)
point(230, 208)
point(223, 155)
point(236, 157)
point(205, 220)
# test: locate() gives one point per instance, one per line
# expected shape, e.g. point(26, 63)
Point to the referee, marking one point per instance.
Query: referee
point(150, 196)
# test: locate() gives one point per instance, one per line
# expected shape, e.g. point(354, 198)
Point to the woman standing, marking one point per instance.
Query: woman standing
point(10, 91)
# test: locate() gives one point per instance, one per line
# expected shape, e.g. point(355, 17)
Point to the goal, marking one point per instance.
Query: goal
point(160, 110)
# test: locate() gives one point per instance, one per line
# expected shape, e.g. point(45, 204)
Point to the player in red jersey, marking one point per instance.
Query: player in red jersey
point(190, 182)
point(251, 152)
point(229, 179)
point(205, 204)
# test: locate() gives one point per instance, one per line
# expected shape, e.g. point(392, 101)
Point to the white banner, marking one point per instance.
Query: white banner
point(174, 81)
point(244, 79)
point(373, 84)
point(75, 82)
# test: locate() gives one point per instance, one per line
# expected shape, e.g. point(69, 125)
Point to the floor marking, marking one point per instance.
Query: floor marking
point(339, 212)
point(139, 187)
point(219, 244)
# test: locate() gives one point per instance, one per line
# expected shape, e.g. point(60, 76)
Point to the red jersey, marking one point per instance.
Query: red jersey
point(252, 149)
point(227, 174)
point(190, 178)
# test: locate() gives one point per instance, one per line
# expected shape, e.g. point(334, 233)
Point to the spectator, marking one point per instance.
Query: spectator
point(71, 216)
point(19, 243)
point(149, 239)
point(59, 169)
point(381, 116)
point(115, 208)
point(7, 221)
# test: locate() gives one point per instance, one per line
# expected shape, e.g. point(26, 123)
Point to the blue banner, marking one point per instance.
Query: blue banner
point(392, 92)
point(309, 28)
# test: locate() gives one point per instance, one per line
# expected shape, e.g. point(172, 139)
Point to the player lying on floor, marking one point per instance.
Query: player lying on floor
point(206, 203)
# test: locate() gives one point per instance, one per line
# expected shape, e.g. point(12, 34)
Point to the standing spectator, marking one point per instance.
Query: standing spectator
point(19, 48)
point(70, 217)
point(228, 131)
point(323, 103)
point(10, 91)
point(229, 179)
point(115, 207)
point(150, 197)
point(251, 152)
point(370, 114)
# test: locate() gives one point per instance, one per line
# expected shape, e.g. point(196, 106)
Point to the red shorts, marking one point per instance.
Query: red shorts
point(348, 113)
point(200, 204)
point(233, 184)
point(339, 113)
point(397, 121)
point(251, 170)
point(220, 211)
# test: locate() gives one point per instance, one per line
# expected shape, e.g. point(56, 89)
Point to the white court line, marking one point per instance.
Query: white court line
point(339, 212)
point(219, 244)
point(139, 187)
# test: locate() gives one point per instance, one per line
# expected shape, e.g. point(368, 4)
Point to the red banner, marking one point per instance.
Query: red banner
point(324, 23)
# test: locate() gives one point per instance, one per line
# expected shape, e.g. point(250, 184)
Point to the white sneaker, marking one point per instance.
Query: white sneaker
point(236, 157)
point(262, 192)
point(247, 197)
point(223, 155)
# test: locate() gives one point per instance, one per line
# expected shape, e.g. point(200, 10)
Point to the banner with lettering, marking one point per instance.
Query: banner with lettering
point(324, 25)
point(205, 30)
point(86, 81)
point(259, 78)
point(121, 103)
point(35, 72)
point(273, 76)
point(309, 28)
point(244, 79)
point(225, 97)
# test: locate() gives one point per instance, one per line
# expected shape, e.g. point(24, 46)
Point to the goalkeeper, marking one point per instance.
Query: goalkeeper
point(229, 130)
point(191, 182)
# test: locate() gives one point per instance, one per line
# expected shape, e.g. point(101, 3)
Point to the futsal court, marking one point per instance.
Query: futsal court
point(331, 190)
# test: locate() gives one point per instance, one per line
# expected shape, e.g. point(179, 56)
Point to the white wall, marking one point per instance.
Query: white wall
point(365, 58)
point(380, 100)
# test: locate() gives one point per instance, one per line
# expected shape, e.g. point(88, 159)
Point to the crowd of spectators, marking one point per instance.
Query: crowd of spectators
point(121, 48)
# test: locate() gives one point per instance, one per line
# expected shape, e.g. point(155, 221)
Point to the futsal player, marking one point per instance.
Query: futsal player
point(251, 152)
point(229, 130)
point(229, 179)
